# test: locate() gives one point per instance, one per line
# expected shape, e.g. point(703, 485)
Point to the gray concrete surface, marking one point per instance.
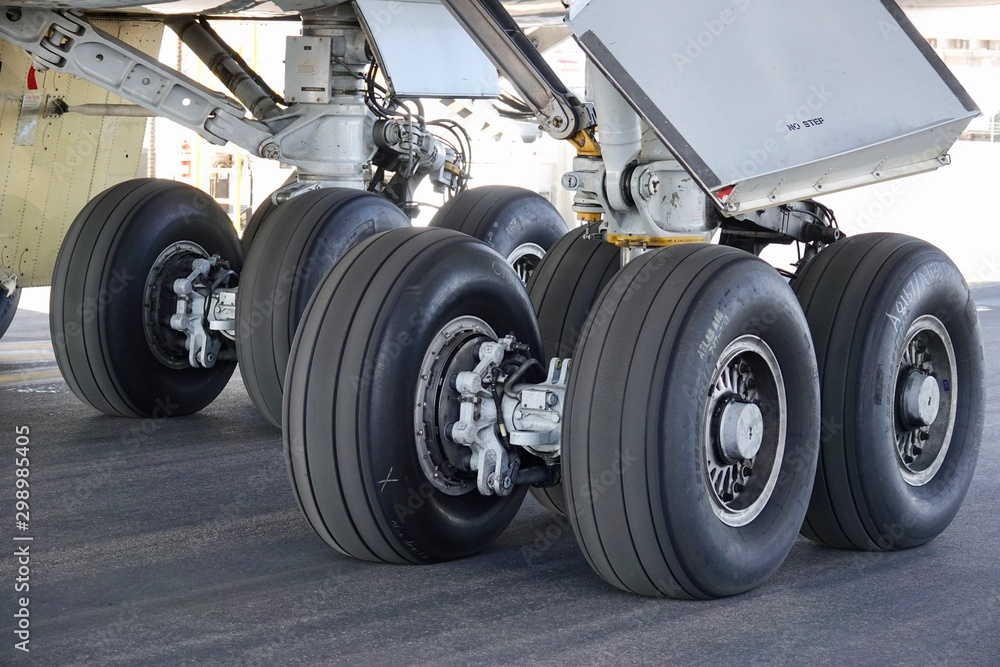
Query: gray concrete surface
point(171, 543)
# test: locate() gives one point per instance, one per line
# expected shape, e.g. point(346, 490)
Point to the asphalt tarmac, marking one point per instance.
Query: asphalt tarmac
point(179, 542)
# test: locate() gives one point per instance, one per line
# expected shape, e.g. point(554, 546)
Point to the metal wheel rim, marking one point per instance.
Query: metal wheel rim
point(525, 259)
point(918, 470)
point(435, 369)
point(769, 395)
point(153, 327)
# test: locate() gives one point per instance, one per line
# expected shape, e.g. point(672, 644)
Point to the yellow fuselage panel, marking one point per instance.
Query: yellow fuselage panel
point(50, 167)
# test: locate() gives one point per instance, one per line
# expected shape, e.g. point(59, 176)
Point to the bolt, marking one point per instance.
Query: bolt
point(572, 181)
point(270, 151)
point(649, 185)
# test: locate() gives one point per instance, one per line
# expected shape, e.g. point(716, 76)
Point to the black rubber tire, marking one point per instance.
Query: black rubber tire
point(263, 212)
point(351, 383)
point(253, 227)
point(633, 437)
point(563, 289)
point(98, 291)
point(8, 308)
point(295, 249)
point(503, 217)
point(860, 500)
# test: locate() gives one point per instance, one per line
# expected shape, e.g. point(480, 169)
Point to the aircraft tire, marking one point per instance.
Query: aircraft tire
point(99, 298)
point(519, 224)
point(683, 345)
point(294, 250)
point(263, 211)
point(8, 308)
point(375, 328)
point(564, 287)
point(895, 326)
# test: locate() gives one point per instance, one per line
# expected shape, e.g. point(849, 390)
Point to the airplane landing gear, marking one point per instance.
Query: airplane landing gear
point(901, 364)
point(563, 289)
point(519, 224)
point(381, 342)
point(295, 247)
point(132, 255)
point(692, 427)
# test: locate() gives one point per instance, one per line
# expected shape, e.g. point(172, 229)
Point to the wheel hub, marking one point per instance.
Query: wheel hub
point(446, 465)
point(925, 400)
point(740, 431)
point(745, 425)
point(525, 259)
point(920, 401)
point(160, 302)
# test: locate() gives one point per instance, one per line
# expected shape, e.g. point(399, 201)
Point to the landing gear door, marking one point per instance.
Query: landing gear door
point(425, 52)
point(772, 102)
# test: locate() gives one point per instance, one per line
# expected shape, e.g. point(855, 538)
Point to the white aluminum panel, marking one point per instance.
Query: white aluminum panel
point(425, 52)
point(782, 99)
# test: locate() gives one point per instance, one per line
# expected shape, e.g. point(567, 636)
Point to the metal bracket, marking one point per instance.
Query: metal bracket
point(805, 221)
point(531, 418)
point(222, 312)
point(478, 421)
point(66, 42)
point(204, 309)
point(536, 416)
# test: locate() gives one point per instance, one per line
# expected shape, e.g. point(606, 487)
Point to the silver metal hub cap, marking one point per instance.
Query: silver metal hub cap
point(744, 432)
point(741, 431)
point(525, 259)
point(452, 350)
point(921, 399)
point(924, 400)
